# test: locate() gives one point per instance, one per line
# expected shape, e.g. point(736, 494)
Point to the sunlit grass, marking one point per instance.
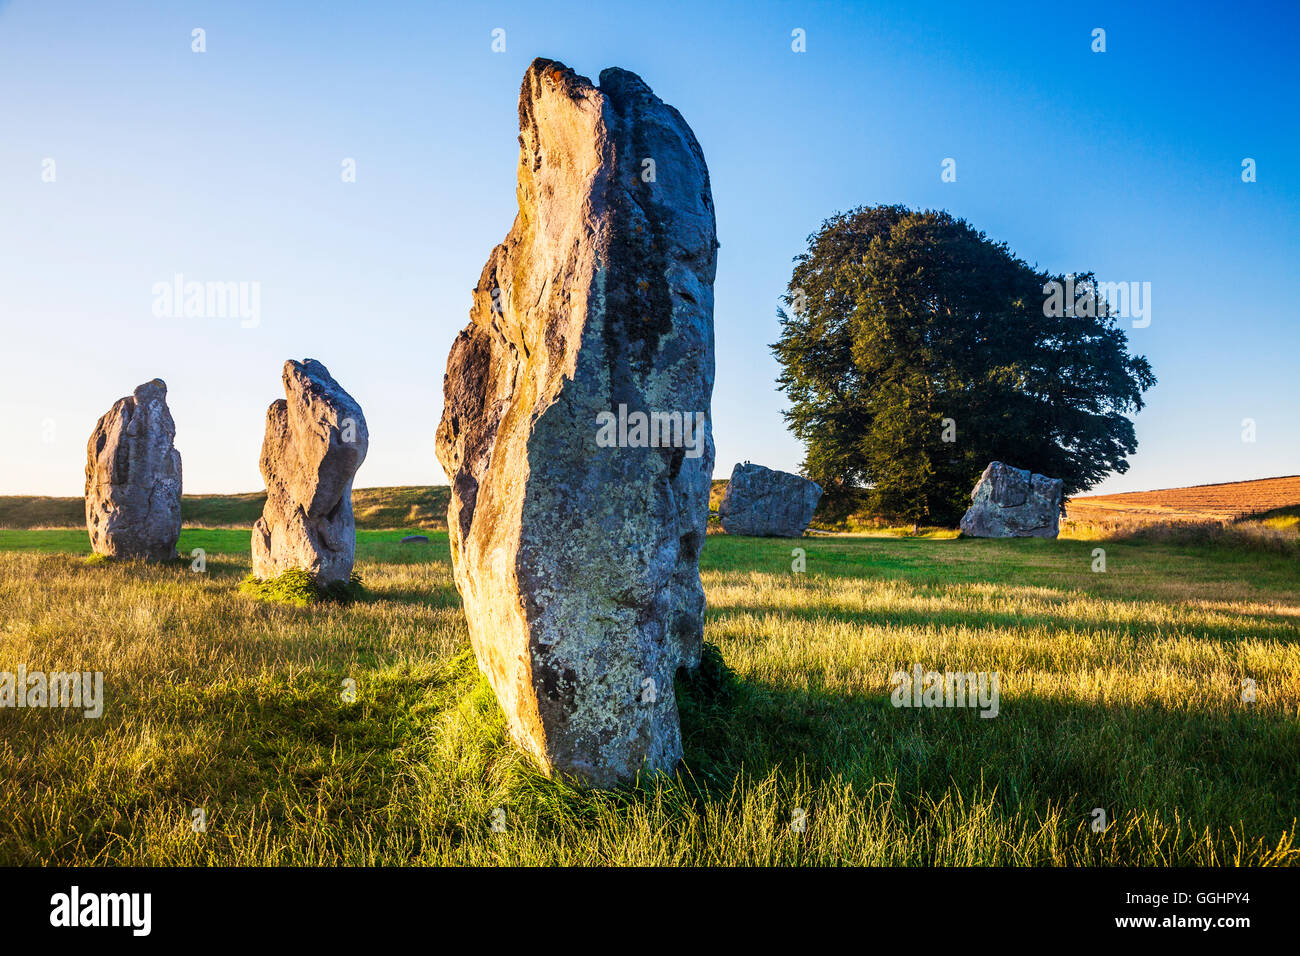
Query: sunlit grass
point(1119, 690)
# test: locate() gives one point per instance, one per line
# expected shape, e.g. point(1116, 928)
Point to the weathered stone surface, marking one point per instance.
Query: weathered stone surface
point(415, 539)
point(578, 563)
point(315, 442)
point(765, 503)
point(1012, 503)
point(133, 478)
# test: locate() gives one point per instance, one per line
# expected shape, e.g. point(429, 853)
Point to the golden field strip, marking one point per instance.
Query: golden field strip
point(1222, 502)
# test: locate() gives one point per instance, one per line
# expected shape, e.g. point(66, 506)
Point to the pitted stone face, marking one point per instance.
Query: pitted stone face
point(1009, 487)
point(316, 439)
point(133, 478)
point(1012, 503)
point(578, 559)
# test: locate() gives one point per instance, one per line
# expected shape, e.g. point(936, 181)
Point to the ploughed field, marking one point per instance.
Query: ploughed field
point(1119, 690)
point(1231, 501)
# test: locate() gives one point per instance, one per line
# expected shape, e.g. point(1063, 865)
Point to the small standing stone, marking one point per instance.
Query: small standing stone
point(1013, 503)
point(133, 478)
point(761, 502)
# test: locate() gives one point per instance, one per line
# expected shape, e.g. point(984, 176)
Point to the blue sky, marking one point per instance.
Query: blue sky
point(225, 166)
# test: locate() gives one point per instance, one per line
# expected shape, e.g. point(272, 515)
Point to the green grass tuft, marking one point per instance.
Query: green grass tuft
point(299, 588)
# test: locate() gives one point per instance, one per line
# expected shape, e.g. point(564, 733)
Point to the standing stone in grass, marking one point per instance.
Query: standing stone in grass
point(316, 439)
point(765, 503)
point(1012, 503)
point(133, 478)
point(576, 429)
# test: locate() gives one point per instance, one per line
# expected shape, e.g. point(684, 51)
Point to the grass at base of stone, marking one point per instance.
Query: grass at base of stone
point(710, 687)
point(375, 545)
point(95, 559)
point(297, 587)
point(364, 734)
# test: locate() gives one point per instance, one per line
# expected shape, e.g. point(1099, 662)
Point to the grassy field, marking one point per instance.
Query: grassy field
point(1275, 501)
point(1119, 690)
point(401, 507)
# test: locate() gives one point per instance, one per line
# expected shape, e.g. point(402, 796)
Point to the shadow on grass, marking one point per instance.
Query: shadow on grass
point(719, 614)
point(439, 596)
point(1216, 770)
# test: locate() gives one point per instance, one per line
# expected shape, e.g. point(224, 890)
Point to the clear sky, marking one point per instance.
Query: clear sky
point(226, 166)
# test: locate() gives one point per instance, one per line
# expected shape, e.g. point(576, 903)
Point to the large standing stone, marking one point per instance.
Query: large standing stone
point(133, 478)
point(578, 563)
point(765, 503)
point(315, 442)
point(1012, 503)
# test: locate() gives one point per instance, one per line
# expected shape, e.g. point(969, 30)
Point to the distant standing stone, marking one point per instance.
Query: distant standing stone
point(1013, 503)
point(415, 539)
point(767, 504)
point(316, 439)
point(133, 478)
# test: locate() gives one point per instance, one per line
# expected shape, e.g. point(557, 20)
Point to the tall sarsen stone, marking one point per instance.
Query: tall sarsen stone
point(578, 563)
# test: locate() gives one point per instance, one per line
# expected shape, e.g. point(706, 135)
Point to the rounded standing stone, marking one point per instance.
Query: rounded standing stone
point(1013, 503)
point(762, 502)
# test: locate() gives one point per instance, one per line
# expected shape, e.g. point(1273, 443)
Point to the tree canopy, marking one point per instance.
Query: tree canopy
point(915, 350)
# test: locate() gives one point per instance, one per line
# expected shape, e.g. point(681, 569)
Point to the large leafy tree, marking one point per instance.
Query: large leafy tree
point(915, 350)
